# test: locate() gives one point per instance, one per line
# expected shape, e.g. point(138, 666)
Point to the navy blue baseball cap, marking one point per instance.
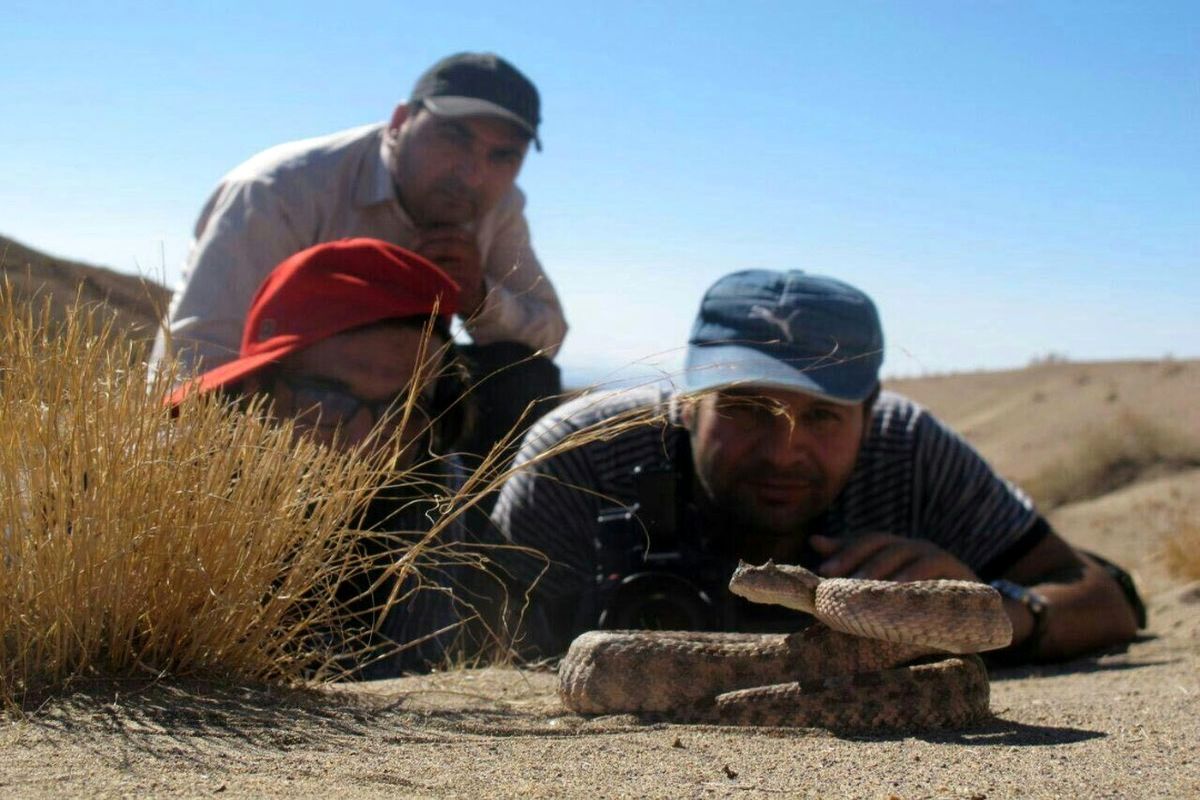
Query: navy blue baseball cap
point(786, 330)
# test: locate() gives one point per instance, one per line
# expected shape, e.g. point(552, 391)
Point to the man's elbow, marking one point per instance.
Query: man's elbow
point(1115, 605)
point(1124, 622)
point(1102, 620)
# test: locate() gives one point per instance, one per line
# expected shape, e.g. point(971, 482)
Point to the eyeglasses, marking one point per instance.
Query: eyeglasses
point(322, 404)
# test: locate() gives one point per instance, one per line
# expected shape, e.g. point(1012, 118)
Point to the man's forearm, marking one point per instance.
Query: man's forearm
point(507, 316)
point(1085, 612)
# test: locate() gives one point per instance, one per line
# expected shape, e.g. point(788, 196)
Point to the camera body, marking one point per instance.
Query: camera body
point(655, 566)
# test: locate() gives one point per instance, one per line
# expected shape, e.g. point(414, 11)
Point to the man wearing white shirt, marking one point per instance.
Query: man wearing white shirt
point(440, 179)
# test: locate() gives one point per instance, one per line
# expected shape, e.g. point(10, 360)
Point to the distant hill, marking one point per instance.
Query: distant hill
point(136, 304)
point(1028, 422)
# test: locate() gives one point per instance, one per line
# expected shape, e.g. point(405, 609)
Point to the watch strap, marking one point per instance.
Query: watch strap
point(1037, 605)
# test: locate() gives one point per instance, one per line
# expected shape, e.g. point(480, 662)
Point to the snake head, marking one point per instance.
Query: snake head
point(779, 584)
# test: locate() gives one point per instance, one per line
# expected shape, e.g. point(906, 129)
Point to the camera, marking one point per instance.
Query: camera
point(653, 568)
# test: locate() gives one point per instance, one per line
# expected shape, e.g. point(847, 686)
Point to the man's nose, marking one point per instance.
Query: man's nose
point(471, 169)
point(787, 443)
point(355, 431)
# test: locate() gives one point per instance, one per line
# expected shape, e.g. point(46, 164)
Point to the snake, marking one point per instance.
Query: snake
point(880, 655)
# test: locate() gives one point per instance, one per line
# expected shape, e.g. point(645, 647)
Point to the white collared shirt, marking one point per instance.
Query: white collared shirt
point(298, 194)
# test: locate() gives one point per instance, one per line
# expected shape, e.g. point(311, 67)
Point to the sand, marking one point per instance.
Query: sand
point(1122, 724)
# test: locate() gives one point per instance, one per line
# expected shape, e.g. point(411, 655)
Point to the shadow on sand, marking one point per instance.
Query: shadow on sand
point(1102, 662)
point(1008, 733)
point(189, 720)
point(201, 722)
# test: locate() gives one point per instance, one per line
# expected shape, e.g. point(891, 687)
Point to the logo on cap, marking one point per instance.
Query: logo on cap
point(784, 324)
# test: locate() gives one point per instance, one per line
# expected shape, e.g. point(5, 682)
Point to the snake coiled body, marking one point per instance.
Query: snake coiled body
point(829, 675)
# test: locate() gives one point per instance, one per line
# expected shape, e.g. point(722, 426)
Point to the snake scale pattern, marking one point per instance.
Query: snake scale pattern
point(881, 656)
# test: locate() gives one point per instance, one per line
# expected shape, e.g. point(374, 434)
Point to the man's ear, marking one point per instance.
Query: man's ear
point(398, 117)
point(868, 406)
point(868, 412)
point(687, 410)
point(869, 403)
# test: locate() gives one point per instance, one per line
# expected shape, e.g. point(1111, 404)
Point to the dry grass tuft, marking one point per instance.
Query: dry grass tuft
point(1131, 449)
point(210, 544)
point(137, 544)
point(1181, 548)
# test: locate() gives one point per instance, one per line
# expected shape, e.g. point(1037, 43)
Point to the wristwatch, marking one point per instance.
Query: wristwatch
point(1038, 607)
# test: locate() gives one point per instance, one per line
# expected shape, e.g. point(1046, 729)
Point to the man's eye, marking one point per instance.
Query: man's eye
point(822, 416)
point(454, 134)
point(330, 403)
point(747, 413)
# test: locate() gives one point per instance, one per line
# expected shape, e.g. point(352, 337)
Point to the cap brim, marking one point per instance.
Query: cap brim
point(729, 365)
point(454, 106)
point(226, 374)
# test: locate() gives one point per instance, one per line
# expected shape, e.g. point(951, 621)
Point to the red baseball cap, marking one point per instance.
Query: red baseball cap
point(326, 290)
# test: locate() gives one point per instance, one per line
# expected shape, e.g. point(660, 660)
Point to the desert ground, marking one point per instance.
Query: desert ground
point(1121, 724)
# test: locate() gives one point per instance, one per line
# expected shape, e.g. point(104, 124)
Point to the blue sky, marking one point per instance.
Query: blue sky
point(1006, 179)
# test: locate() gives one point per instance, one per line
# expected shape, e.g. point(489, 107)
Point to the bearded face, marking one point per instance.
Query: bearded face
point(452, 170)
point(773, 460)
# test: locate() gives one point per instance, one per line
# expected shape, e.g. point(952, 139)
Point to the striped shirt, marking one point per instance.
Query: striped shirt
point(914, 477)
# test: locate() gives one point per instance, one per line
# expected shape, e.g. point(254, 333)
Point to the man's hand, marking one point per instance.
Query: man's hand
point(456, 251)
point(884, 557)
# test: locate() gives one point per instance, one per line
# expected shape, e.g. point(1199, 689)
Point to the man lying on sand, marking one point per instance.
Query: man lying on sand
point(783, 447)
point(342, 339)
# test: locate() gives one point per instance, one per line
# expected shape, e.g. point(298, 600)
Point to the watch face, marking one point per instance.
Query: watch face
point(1032, 600)
point(1035, 602)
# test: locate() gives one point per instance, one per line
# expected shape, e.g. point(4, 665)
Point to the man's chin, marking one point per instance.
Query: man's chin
point(777, 519)
point(451, 212)
point(774, 527)
point(464, 221)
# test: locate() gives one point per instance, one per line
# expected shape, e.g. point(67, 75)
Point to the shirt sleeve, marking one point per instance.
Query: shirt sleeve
point(963, 506)
point(546, 510)
point(244, 230)
point(521, 304)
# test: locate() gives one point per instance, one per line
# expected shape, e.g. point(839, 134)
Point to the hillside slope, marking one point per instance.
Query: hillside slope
point(1109, 450)
point(136, 304)
point(1029, 421)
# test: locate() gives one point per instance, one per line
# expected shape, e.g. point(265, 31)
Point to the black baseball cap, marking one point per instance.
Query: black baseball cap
point(469, 84)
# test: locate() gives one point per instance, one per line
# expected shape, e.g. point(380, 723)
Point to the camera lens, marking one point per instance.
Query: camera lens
point(658, 601)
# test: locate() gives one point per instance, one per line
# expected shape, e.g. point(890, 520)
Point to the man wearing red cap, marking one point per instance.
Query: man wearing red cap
point(438, 179)
point(342, 338)
point(341, 324)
